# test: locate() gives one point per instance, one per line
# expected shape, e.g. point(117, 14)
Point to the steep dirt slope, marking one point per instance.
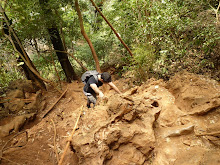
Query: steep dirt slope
point(158, 123)
point(40, 146)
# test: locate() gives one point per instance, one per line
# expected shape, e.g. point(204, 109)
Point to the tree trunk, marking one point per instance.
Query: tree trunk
point(86, 36)
point(62, 57)
point(17, 44)
point(58, 45)
point(63, 39)
point(36, 47)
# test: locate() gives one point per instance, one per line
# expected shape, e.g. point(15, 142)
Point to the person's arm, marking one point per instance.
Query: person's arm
point(96, 89)
point(111, 84)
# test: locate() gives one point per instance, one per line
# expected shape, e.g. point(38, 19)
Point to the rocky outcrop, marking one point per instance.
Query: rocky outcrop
point(22, 97)
point(155, 123)
point(19, 105)
point(121, 128)
point(16, 124)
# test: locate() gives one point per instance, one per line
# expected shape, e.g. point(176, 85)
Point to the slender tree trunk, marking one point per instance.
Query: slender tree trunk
point(216, 12)
point(61, 30)
point(58, 45)
point(86, 36)
point(93, 3)
point(98, 19)
point(63, 39)
point(36, 47)
point(30, 75)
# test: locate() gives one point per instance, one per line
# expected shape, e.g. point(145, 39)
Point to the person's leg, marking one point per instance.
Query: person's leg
point(88, 100)
point(92, 99)
point(88, 103)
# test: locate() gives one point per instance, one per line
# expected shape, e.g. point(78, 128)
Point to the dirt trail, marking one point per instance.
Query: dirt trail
point(158, 123)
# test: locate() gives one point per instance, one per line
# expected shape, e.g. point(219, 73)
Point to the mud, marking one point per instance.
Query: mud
point(157, 123)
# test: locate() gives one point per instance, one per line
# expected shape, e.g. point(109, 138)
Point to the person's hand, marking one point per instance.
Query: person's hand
point(103, 98)
point(101, 95)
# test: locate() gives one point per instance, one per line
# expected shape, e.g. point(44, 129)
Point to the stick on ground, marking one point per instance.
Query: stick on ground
point(54, 141)
point(70, 138)
point(54, 104)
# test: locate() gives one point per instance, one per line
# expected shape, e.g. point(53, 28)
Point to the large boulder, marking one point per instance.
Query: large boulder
point(121, 128)
point(153, 124)
point(194, 94)
point(24, 85)
point(16, 124)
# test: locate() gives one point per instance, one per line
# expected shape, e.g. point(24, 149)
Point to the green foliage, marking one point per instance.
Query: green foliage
point(9, 69)
point(175, 29)
point(6, 76)
point(102, 44)
point(142, 63)
point(165, 36)
point(46, 68)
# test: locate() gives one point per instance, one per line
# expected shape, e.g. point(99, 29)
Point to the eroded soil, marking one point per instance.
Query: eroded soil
point(157, 123)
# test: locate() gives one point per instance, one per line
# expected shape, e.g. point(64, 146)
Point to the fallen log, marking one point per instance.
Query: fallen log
point(54, 103)
point(70, 138)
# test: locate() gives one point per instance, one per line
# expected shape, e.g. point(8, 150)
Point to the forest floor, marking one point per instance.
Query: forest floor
point(159, 123)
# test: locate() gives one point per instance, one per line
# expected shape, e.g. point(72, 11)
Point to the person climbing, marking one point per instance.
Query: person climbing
point(93, 80)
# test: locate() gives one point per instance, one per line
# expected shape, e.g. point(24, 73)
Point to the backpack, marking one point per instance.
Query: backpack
point(85, 77)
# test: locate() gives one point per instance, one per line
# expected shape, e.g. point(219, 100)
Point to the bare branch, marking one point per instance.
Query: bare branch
point(112, 28)
point(86, 36)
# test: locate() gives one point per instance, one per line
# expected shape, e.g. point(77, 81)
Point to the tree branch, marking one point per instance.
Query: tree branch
point(86, 36)
point(70, 137)
point(216, 11)
point(55, 103)
point(112, 28)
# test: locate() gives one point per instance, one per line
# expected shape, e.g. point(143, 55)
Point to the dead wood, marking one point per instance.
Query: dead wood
point(54, 103)
point(70, 138)
point(54, 141)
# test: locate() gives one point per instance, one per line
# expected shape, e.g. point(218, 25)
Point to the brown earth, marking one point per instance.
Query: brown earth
point(157, 123)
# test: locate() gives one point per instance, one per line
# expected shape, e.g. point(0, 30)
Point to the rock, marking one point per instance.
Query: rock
point(24, 85)
point(179, 130)
point(211, 133)
point(16, 124)
point(129, 153)
point(15, 105)
point(17, 93)
point(35, 104)
point(211, 158)
point(191, 156)
point(123, 130)
point(152, 124)
point(194, 94)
